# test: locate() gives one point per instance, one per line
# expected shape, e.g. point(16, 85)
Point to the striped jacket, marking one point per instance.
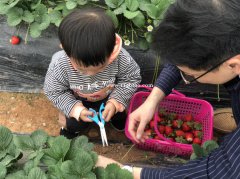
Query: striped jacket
point(222, 163)
point(65, 86)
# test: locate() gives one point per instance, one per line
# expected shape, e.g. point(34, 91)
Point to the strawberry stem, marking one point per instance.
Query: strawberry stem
point(26, 36)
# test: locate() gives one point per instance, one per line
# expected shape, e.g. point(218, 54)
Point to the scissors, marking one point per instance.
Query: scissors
point(100, 123)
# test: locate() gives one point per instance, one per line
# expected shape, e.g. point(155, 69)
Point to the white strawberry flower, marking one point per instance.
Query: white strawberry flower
point(149, 28)
point(127, 42)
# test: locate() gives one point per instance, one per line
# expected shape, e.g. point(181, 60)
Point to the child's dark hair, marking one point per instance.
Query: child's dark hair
point(199, 33)
point(87, 36)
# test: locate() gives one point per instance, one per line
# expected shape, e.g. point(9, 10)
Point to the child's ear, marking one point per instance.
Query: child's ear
point(234, 64)
point(116, 49)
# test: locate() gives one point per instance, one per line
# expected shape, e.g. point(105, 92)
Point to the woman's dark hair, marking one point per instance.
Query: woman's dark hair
point(199, 33)
point(87, 36)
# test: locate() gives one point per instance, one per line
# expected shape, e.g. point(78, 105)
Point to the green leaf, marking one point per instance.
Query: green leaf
point(112, 170)
point(35, 30)
point(28, 166)
point(24, 142)
point(143, 44)
point(60, 6)
point(55, 171)
point(41, 10)
point(198, 150)
point(83, 163)
point(82, 2)
point(90, 175)
point(49, 161)
point(71, 4)
point(210, 145)
point(3, 171)
point(3, 154)
point(151, 10)
point(68, 171)
point(5, 137)
point(13, 3)
point(39, 138)
point(132, 5)
point(94, 156)
point(120, 9)
point(124, 174)
point(156, 23)
point(130, 15)
point(155, 1)
point(14, 16)
point(149, 37)
point(7, 160)
point(100, 173)
point(65, 11)
point(139, 20)
point(45, 22)
point(4, 8)
point(193, 156)
point(35, 4)
point(113, 16)
point(59, 148)
point(19, 175)
point(55, 17)
point(114, 3)
point(28, 17)
point(37, 173)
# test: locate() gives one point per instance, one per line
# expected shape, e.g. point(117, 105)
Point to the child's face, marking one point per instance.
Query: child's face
point(90, 70)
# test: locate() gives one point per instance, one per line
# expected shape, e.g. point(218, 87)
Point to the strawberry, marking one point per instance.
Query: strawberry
point(177, 123)
point(196, 140)
point(186, 127)
point(180, 133)
point(148, 132)
point(189, 137)
point(197, 133)
point(161, 129)
point(171, 139)
point(151, 124)
point(157, 138)
point(172, 116)
point(15, 40)
point(168, 130)
point(188, 117)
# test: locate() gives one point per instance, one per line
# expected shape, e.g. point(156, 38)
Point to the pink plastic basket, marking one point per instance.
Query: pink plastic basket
point(177, 103)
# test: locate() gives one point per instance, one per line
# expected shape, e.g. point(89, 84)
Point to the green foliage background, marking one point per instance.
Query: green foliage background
point(134, 19)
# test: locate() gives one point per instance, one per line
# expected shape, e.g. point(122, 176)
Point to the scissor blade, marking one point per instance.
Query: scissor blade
point(104, 135)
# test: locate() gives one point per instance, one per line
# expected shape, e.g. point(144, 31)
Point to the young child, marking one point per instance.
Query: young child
point(92, 69)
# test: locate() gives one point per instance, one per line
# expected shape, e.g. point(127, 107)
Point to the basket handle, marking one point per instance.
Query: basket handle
point(175, 92)
point(144, 88)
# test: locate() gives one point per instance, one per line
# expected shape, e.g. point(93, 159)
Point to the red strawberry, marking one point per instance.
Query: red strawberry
point(151, 124)
point(156, 137)
point(197, 133)
point(186, 127)
point(189, 137)
point(180, 133)
point(168, 130)
point(15, 40)
point(197, 141)
point(177, 123)
point(161, 129)
point(188, 117)
point(148, 132)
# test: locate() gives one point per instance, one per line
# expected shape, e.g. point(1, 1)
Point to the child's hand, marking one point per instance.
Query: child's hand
point(84, 115)
point(109, 111)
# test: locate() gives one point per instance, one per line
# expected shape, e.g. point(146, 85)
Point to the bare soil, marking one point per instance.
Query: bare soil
point(24, 113)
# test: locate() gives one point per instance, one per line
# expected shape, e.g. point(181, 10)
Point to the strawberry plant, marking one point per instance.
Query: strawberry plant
point(134, 19)
point(204, 150)
point(51, 157)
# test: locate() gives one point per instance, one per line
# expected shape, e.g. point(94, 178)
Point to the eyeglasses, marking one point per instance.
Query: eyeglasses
point(190, 79)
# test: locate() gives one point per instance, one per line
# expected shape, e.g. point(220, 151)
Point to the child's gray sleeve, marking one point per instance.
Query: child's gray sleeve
point(128, 79)
point(56, 88)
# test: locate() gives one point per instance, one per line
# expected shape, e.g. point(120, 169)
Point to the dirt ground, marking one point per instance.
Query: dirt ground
point(25, 113)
